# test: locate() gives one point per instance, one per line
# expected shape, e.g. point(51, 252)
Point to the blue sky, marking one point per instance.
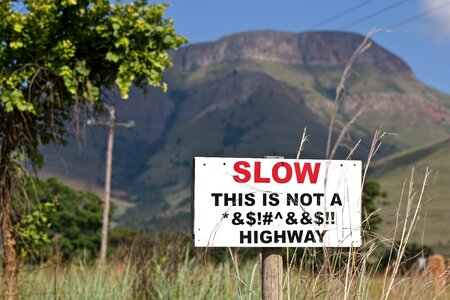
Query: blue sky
point(423, 43)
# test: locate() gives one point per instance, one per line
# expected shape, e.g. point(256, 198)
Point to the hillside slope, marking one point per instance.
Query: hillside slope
point(251, 94)
point(396, 170)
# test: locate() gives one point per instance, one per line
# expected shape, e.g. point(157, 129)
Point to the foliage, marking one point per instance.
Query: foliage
point(70, 219)
point(371, 191)
point(55, 55)
point(33, 230)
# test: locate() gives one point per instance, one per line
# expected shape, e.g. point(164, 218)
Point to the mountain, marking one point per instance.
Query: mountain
point(250, 94)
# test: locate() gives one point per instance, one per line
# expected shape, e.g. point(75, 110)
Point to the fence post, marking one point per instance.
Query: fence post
point(272, 274)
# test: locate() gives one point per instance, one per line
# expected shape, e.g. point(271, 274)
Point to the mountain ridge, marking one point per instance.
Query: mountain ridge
point(318, 48)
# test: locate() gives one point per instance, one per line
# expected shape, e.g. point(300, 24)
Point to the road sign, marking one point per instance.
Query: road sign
point(250, 202)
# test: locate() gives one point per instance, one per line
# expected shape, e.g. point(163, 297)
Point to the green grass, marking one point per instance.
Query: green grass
point(77, 281)
point(195, 278)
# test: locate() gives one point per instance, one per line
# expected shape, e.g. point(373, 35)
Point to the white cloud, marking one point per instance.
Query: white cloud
point(440, 15)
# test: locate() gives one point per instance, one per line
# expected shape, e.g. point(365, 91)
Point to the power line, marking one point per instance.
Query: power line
point(418, 16)
point(379, 12)
point(345, 12)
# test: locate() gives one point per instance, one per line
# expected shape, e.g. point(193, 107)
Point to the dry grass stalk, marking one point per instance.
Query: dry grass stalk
point(408, 228)
point(345, 129)
point(374, 147)
point(303, 141)
point(363, 47)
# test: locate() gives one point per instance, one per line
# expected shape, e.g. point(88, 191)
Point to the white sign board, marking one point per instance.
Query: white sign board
point(248, 202)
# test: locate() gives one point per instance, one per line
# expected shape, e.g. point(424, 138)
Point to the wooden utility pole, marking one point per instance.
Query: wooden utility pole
point(272, 269)
point(111, 123)
point(106, 205)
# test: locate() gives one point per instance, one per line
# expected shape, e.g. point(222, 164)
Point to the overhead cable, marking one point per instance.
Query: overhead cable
point(420, 15)
point(345, 12)
point(374, 14)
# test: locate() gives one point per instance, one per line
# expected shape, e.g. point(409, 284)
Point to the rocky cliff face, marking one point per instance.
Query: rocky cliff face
point(323, 48)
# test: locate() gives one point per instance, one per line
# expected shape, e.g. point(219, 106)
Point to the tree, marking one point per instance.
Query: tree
point(74, 220)
point(371, 191)
point(56, 58)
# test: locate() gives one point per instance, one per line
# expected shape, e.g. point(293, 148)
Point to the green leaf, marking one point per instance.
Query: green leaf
point(16, 44)
point(123, 41)
point(112, 57)
point(17, 27)
point(115, 26)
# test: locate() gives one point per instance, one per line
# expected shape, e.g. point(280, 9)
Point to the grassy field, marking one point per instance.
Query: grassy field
point(194, 276)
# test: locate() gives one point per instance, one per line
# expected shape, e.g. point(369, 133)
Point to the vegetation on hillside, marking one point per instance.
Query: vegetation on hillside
point(72, 226)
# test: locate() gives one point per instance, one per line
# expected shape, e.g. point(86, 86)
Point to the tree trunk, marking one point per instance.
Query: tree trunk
point(10, 254)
